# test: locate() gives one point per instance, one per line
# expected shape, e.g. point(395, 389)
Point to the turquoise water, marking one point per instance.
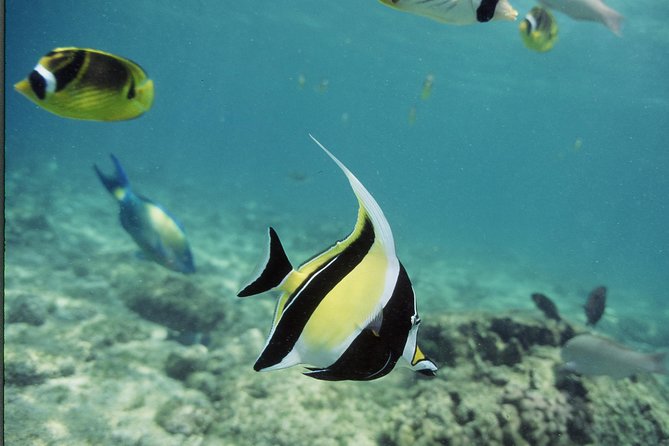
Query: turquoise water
point(522, 172)
point(489, 169)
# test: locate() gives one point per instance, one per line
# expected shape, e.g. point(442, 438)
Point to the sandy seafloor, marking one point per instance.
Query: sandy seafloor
point(88, 359)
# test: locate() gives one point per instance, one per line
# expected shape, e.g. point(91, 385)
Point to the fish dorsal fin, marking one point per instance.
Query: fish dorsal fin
point(368, 206)
point(272, 271)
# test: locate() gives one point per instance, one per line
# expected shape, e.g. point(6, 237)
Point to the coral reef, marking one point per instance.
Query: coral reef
point(502, 384)
point(89, 358)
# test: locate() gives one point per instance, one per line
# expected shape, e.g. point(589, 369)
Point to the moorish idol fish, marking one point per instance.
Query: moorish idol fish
point(88, 84)
point(349, 313)
point(159, 235)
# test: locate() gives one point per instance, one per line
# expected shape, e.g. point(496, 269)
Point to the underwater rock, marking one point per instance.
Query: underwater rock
point(176, 303)
point(28, 227)
point(497, 340)
point(28, 308)
point(506, 387)
point(179, 365)
point(190, 415)
point(23, 372)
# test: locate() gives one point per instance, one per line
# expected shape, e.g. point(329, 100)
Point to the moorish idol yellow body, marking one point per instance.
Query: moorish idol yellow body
point(349, 313)
point(160, 237)
point(88, 84)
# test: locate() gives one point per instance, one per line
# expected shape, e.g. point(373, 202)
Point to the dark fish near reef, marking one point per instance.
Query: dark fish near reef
point(591, 355)
point(159, 235)
point(595, 306)
point(350, 311)
point(546, 305)
point(88, 84)
point(539, 30)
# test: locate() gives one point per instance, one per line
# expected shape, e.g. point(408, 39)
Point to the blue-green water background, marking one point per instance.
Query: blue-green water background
point(490, 171)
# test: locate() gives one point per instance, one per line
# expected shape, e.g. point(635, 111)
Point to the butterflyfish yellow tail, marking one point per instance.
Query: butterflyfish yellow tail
point(272, 271)
point(367, 203)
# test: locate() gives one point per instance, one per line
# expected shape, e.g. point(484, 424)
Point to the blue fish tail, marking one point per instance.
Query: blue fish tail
point(118, 180)
point(272, 271)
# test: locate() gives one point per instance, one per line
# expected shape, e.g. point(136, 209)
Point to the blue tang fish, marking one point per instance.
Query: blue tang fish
point(349, 313)
point(161, 238)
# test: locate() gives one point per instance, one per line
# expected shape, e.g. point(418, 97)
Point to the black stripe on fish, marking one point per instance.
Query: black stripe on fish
point(107, 72)
point(37, 84)
point(300, 306)
point(486, 10)
point(371, 356)
point(528, 28)
point(131, 90)
point(368, 357)
point(69, 72)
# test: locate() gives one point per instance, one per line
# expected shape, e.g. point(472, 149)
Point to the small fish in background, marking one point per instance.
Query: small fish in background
point(595, 305)
point(349, 313)
point(588, 10)
point(457, 12)
point(546, 306)
point(160, 237)
point(426, 92)
point(539, 30)
point(323, 86)
point(591, 355)
point(413, 114)
point(301, 81)
point(88, 84)
point(298, 176)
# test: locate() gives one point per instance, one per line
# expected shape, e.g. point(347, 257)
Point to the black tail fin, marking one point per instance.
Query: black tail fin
point(115, 182)
point(271, 271)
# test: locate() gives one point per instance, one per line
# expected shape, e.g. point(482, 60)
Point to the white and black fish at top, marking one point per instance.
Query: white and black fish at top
point(457, 12)
point(350, 312)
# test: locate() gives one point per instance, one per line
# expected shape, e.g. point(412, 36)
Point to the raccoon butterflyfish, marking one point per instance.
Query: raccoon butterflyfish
point(160, 237)
point(457, 12)
point(88, 84)
point(538, 30)
point(349, 313)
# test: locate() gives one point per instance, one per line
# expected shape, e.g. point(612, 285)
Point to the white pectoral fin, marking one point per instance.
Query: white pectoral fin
point(375, 322)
